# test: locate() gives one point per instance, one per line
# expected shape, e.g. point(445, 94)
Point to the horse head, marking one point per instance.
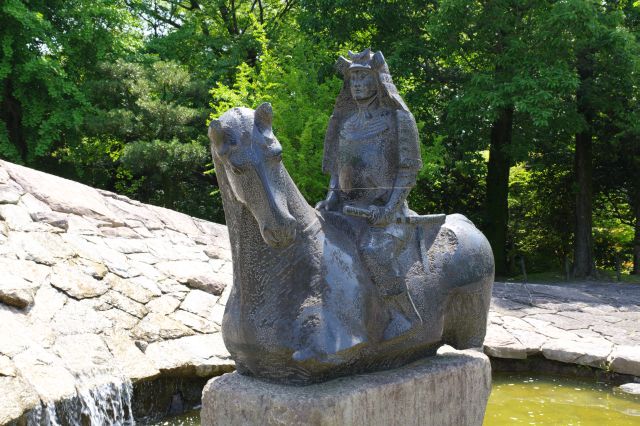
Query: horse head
point(249, 156)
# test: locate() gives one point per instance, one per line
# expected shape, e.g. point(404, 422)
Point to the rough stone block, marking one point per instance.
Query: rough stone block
point(626, 360)
point(449, 389)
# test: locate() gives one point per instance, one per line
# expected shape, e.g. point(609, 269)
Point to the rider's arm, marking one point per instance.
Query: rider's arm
point(409, 164)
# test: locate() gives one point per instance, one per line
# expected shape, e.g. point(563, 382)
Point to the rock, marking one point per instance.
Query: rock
point(15, 336)
point(89, 267)
point(127, 245)
point(217, 314)
point(155, 327)
point(117, 263)
point(203, 355)
point(210, 284)
point(58, 220)
point(529, 339)
point(217, 252)
point(36, 207)
point(16, 217)
point(146, 258)
point(18, 397)
point(631, 388)
point(593, 353)
point(135, 212)
point(47, 374)
point(47, 302)
point(172, 286)
point(81, 226)
point(147, 284)
point(625, 359)
point(15, 291)
point(60, 194)
point(28, 270)
point(199, 303)
point(77, 318)
point(4, 176)
point(85, 355)
point(131, 359)
point(7, 368)
point(163, 305)
point(195, 274)
point(9, 194)
point(447, 390)
point(120, 232)
point(118, 300)
point(75, 283)
point(500, 343)
point(129, 289)
point(41, 247)
point(176, 221)
point(195, 322)
point(120, 319)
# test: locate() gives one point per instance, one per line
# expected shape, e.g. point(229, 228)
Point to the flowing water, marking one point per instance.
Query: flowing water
point(105, 404)
point(520, 399)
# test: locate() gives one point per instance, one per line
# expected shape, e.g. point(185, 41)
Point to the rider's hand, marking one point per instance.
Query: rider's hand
point(330, 203)
point(381, 216)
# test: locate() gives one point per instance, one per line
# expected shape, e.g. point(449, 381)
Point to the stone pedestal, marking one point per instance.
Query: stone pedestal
point(449, 389)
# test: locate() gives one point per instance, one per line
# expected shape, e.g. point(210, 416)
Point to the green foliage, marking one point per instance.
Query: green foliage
point(302, 106)
point(168, 174)
point(115, 93)
point(48, 48)
point(540, 216)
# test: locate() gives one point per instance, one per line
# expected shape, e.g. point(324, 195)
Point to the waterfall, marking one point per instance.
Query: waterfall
point(101, 405)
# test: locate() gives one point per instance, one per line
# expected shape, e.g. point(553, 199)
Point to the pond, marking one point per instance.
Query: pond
point(522, 399)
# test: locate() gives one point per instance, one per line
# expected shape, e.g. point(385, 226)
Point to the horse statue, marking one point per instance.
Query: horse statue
point(303, 308)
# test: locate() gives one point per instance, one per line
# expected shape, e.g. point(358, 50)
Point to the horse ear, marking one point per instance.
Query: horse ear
point(264, 116)
point(216, 136)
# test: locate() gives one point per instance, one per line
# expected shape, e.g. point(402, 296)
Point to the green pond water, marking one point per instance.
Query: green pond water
point(519, 399)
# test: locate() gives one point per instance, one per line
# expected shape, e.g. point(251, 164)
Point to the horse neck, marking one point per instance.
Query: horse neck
point(304, 214)
point(251, 255)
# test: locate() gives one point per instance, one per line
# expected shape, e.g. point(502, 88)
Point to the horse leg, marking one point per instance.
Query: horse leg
point(466, 312)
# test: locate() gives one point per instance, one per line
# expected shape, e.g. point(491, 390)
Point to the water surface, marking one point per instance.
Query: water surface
point(521, 399)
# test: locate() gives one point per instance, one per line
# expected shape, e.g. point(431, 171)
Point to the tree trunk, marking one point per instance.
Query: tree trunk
point(497, 207)
point(583, 265)
point(11, 114)
point(636, 240)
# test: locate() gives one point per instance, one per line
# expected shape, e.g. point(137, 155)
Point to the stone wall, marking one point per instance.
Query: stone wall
point(96, 288)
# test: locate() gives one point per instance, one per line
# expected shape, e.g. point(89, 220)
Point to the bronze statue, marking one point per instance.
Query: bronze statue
point(372, 154)
point(362, 283)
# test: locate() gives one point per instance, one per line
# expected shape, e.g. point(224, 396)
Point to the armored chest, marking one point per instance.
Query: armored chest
point(367, 158)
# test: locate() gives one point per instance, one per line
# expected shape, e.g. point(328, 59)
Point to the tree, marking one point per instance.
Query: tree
point(593, 40)
point(302, 105)
point(512, 84)
point(146, 138)
point(48, 49)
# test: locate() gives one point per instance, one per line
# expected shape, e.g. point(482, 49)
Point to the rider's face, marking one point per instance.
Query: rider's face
point(363, 84)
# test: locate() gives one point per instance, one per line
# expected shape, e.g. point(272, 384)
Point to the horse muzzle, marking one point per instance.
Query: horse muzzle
point(280, 236)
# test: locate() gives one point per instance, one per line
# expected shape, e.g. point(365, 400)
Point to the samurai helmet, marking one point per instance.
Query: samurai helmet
point(363, 60)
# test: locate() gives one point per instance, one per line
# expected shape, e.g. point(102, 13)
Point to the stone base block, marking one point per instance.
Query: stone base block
point(449, 389)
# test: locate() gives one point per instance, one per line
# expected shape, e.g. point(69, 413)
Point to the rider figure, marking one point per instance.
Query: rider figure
point(372, 153)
